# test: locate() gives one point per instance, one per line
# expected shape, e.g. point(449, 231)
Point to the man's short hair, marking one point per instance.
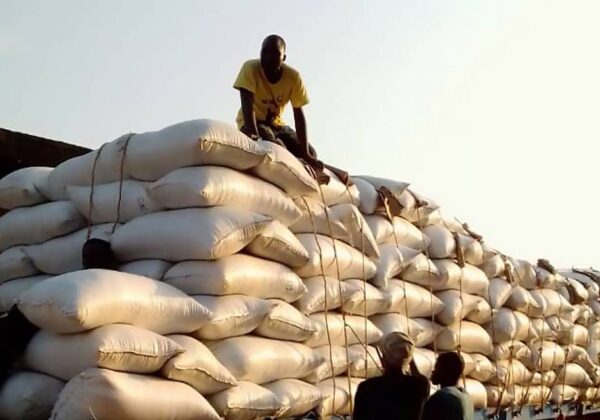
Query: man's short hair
point(275, 38)
point(97, 253)
point(396, 347)
point(450, 367)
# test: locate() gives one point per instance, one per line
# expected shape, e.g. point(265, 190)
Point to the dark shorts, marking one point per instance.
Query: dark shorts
point(284, 136)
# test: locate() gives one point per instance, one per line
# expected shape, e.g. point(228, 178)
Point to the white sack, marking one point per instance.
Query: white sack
point(189, 234)
point(83, 300)
point(574, 375)
point(197, 367)
point(154, 269)
point(278, 243)
point(336, 192)
point(367, 300)
point(334, 396)
point(442, 244)
point(357, 329)
point(484, 368)
point(321, 290)
point(511, 372)
point(564, 393)
point(246, 401)
point(545, 355)
point(11, 290)
point(456, 306)
point(335, 361)
point(430, 331)
point(401, 232)
point(15, 264)
point(411, 300)
point(236, 274)
point(422, 271)
point(471, 337)
point(359, 232)
point(28, 395)
point(476, 391)
point(392, 261)
point(316, 217)
point(284, 322)
point(364, 362)
point(425, 361)
point(106, 394)
point(24, 187)
point(118, 347)
point(208, 186)
point(388, 323)
point(469, 278)
point(499, 292)
point(296, 397)
point(369, 197)
point(551, 302)
point(521, 300)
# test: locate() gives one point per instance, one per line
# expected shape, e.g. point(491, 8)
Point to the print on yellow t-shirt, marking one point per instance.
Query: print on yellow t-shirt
point(270, 98)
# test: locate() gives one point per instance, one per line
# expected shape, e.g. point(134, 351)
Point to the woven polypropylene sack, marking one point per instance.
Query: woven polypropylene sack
point(324, 293)
point(154, 269)
point(11, 290)
point(284, 322)
point(246, 401)
point(357, 329)
point(296, 397)
point(278, 243)
point(24, 187)
point(29, 395)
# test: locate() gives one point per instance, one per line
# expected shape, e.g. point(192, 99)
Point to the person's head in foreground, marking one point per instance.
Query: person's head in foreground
point(97, 253)
point(448, 369)
point(272, 54)
point(397, 353)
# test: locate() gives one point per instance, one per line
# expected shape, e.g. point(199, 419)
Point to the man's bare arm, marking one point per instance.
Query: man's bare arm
point(250, 128)
point(300, 123)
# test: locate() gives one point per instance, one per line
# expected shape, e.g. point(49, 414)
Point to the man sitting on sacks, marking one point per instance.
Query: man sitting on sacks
point(15, 329)
point(401, 392)
point(449, 402)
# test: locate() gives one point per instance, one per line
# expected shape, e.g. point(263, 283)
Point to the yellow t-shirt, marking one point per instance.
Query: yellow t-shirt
point(270, 96)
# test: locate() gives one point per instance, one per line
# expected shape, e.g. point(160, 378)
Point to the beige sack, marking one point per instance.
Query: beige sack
point(154, 269)
point(334, 256)
point(493, 265)
point(456, 306)
point(278, 243)
point(430, 331)
point(360, 235)
point(577, 335)
point(422, 271)
point(442, 244)
point(476, 391)
point(469, 278)
point(498, 396)
point(367, 300)
point(262, 360)
point(545, 355)
point(208, 186)
point(134, 201)
point(197, 367)
point(412, 300)
point(511, 372)
point(334, 396)
point(357, 329)
point(364, 362)
point(246, 401)
point(284, 322)
point(296, 397)
point(83, 300)
point(484, 369)
point(335, 361)
point(551, 302)
point(236, 274)
point(512, 349)
point(395, 187)
point(521, 300)
point(388, 323)
point(564, 393)
point(24, 187)
point(106, 394)
point(28, 395)
point(118, 347)
point(574, 375)
point(393, 260)
point(499, 292)
point(281, 168)
point(63, 254)
point(401, 232)
point(471, 337)
point(15, 264)
point(369, 197)
point(51, 220)
point(425, 361)
point(525, 275)
point(507, 324)
point(336, 192)
point(232, 315)
point(11, 290)
point(321, 290)
point(316, 217)
point(189, 234)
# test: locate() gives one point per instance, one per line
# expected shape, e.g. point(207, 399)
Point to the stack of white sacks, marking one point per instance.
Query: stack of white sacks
point(249, 290)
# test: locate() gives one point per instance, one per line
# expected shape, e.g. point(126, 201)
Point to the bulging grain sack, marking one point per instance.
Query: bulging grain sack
point(336, 363)
point(525, 275)
point(469, 278)
point(510, 325)
point(564, 393)
point(281, 168)
point(63, 255)
point(551, 302)
point(476, 391)
point(456, 306)
point(430, 331)
point(197, 367)
point(366, 301)
point(334, 397)
point(574, 292)
point(548, 280)
point(493, 264)
point(246, 401)
point(521, 300)
point(585, 278)
point(11, 290)
point(133, 199)
point(387, 323)
point(545, 355)
point(484, 369)
point(51, 220)
point(577, 335)
point(24, 187)
point(364, 362)
point(262, 360)
point(296, 397)
point(515, 349)
point(236, 274)
point(422, 271)
point(498, 396)
point(499, 292)
point(424, 360)
point(370, 201)
point(397, 232)
point(154, 269)
point(284, 322)
point(15, 264)
point(360, 235)
point(278, 243)
point(574, 375)
point(316, 217)
point(106, 394)
point(189, 234)
point(208, 186)
point(334, 255)
point(471, 337)
point(392, 261)
point(337, 192)
point(28, 395)
point(232, 315)
point(511, 372)
point(411, 300)
point(324, 293)
point(83, 300)
point(442, 244)
point(395, 187)
point(117, 347)
point(356, 329)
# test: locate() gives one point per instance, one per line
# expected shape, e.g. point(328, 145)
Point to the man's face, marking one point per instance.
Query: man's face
point(272, 55)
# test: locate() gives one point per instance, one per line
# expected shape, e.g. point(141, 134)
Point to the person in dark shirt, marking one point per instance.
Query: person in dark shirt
point(15, 329)
point(450, 402)
point(401, 392)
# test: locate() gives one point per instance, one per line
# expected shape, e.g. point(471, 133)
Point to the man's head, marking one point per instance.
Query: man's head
point(272, 53)
point(448, 369)
point(397, 351)
point(96, 253)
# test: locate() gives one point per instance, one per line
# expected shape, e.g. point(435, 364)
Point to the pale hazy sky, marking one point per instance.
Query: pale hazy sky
point(490, 107)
